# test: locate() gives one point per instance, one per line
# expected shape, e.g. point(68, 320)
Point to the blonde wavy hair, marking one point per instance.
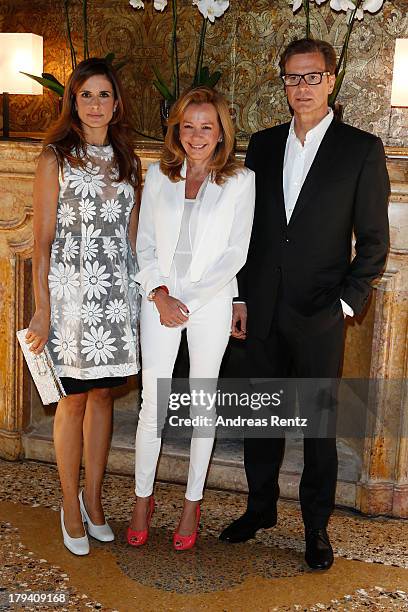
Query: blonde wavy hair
point(223, 164)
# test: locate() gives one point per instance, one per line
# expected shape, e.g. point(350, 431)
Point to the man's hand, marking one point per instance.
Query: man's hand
point(172, 311)
point(239, 321)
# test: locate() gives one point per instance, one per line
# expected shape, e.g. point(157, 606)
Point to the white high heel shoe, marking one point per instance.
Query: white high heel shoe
point(103, 533)
point(78, 546)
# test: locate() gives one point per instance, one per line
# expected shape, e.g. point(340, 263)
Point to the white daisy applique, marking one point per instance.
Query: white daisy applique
point(129, 209)
point(63, 281)
point(122, 234)
point(54, 250)
point(95, 280)
point(91, 313)
point(110, 249)
point(132, 281)
point(116, 311)
point(87, 210)
point(71, 313)
point(86, 181)
point(54, 314)
point(110, 210)
point(65, 345)
point(66, 215)
point(124, 188)
point(129, 341)
point(103, 153)
point(121, 276)
point(70, 249)
point(98, 345)
point(90, 245)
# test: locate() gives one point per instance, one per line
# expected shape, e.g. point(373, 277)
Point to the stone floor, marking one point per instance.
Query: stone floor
point(266, 574)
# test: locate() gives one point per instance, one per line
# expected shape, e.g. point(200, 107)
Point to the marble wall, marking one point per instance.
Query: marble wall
point(245, 44)
point(373, 475)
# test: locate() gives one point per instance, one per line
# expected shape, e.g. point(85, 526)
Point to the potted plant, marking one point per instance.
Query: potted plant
point(170, 91)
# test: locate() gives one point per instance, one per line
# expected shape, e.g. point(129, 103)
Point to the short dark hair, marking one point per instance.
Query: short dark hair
point(310, 45)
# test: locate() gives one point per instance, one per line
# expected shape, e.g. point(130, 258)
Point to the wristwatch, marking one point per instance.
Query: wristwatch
point(153, 292)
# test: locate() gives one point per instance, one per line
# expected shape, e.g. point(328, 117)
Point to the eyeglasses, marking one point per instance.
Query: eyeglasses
point(311, 78)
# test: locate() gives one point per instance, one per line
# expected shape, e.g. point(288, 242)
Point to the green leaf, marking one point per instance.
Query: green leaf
point(47, 83)
point(51, 77)
point(337, 87)
point(159, 77)
point(214, 78)
point(164, 91)
point(110, 57)
point(204, 75)
point(205, 78)
point(120, 65)
point(161, 85)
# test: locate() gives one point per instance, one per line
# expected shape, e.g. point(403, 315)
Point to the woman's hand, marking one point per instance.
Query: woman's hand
point(38, 331)
point(173, 313)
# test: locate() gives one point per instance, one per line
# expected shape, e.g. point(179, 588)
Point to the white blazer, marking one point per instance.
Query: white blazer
point(221, 241)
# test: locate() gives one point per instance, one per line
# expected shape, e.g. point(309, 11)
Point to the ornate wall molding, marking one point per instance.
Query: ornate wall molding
point(245, 44)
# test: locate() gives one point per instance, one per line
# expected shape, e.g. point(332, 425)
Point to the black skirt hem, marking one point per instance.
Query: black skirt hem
point(76, 385)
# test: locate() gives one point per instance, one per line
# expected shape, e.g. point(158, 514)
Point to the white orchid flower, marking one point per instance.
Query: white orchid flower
point(296, 5)
point(342, 5)
point(160, 5)
point(372, 6)
point(210, 9)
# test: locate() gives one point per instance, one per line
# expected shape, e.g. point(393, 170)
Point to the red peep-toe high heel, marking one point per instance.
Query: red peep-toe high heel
point(139, 537)
point(182, 542)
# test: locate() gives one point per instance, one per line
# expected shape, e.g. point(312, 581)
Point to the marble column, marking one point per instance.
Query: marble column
point(17, 164)
point(383, 488)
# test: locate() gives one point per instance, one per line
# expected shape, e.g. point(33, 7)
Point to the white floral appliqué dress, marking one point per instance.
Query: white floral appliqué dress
point(94, 297)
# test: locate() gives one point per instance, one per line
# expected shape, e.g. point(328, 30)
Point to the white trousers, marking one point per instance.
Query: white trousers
point(208, 332)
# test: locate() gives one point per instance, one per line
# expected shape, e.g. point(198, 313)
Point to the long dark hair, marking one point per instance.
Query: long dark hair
point(67, 135)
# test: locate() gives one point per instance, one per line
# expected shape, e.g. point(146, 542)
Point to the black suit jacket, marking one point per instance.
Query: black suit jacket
point(307, 263)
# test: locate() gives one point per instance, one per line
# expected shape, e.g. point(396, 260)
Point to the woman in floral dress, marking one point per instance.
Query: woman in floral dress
point(86, 200)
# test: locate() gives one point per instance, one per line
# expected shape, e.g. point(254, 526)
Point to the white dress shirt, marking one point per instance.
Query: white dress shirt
point(299, 158)
point(297, 163)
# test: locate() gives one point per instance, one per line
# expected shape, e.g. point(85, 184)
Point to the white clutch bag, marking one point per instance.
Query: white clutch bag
point(42, 371)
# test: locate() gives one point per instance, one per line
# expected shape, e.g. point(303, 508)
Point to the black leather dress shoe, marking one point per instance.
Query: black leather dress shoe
point(319, 553)
point(246, 526)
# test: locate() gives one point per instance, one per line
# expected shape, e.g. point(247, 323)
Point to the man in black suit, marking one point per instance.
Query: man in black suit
point(317, 181)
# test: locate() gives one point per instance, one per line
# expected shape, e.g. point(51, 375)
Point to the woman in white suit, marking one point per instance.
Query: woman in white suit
point(194, 230)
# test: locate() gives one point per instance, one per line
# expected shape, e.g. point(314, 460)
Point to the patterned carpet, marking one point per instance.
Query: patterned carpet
point(268, 573)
